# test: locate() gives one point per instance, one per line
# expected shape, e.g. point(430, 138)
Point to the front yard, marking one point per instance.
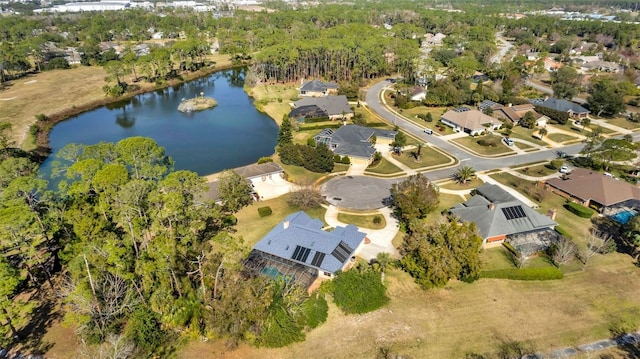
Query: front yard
point(494, 146)
point(429, 157)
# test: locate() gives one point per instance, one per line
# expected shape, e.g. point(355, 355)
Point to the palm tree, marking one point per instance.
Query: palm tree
point(542, 132)
point(419, 151)
point(585, 122)
point(381, 263)
point(464, 174)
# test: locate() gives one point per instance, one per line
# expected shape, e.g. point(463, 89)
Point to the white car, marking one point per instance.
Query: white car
point(428, 131)
point(564, 169)
point(508, 141)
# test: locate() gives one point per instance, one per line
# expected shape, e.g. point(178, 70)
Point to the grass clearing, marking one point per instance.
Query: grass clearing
point(537, 171)
point(363, 220)
point(495, 149)
point(301, 176)
point(429, 157)
point(384, 167)
point(623, 122)
point(273, 99)
point(456, 186)
point(561, 137)
point(526, 134)
point(470, 318)
point(47, 93)
point(523, 146)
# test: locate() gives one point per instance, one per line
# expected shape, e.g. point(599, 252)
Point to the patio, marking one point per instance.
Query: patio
point(530, 243)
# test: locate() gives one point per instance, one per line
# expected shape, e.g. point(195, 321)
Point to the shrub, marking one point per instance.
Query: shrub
point(377, 220)
point(357, 293)
point(345, 160)
point(316, 119)
point(41, 117)
point(545, 273)
point(144, 329)
point(337, 158)
point(316, 310)
point(262, 160)
point(555, 164)
point(311, 142)
point(264, 211)
point(579, 210)
point(34, 130)
point(563, 232)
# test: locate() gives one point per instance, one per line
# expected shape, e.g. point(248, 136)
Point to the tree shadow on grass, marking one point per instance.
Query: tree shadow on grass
point(42, 317)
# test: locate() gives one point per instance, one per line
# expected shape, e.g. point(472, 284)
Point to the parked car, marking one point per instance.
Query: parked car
point(507, 141)
point(428, 131)
point(564, 169)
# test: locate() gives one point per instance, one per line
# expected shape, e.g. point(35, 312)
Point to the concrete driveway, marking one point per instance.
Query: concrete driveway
point(357, 192)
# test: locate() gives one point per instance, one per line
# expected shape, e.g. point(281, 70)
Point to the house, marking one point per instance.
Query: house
point(469, 121)
point(418, 94)
point(333, 107)
point(513, 114)
point(298, 250)
point(595, 190)
point(551, 64)
point(573, 109)
point(255, 175)
point(354, 141)
point(500, 217)
point(601, 66)
point(315, 88)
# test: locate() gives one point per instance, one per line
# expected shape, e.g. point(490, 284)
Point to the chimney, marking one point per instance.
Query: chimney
point(492, 206)
point(285, 224)
point(552, 213)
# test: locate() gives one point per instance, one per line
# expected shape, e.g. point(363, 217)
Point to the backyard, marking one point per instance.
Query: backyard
point(273, 100)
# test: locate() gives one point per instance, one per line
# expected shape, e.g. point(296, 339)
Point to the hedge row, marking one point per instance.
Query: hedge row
point(563, 232)
point(579, 210)
point(545, 273)
point(555, 115)
point(316, 119)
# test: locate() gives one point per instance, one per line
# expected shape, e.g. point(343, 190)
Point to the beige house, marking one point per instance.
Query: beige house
point(473, 122)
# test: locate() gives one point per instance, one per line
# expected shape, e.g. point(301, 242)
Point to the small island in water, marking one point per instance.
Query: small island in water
point(197, 103)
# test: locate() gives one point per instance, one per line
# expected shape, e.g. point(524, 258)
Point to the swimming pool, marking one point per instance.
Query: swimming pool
point(624, 216)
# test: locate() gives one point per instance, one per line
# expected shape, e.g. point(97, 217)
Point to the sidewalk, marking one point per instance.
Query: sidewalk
point(380, 238)
point(386, 154)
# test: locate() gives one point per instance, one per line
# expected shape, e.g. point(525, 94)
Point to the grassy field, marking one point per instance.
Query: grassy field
point(273, 99)
point(561, 137)
point(526, 134)
point(428, 157)
point(624, 123)
point(537, 171)
point(363, 220)
point(472, 144)
point(47, 93)
point(470, 318)
point(384, 167)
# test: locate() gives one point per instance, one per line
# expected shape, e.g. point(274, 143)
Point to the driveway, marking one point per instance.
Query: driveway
point(357, 192)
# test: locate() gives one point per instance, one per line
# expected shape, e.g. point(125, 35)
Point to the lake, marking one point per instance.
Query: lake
point(229, 135)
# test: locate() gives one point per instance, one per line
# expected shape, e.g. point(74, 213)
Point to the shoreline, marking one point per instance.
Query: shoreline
point(41, 139)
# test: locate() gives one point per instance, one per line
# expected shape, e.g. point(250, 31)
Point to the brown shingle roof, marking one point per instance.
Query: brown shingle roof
point(471, 119)
point(588, 185)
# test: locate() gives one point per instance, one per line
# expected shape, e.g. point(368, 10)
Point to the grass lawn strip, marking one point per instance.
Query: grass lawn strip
point(384, 167)
point(471, 143)
point(536, 171)
point(429, 157)
point(362, 220)
point(455, 186)
point(561, 137)
point(623, 122)
point(526, 135)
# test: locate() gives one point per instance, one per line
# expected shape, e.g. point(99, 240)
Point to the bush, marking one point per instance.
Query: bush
point(579, 210)
point(311, 142)
point(262, 160)
point(555, 164)
point(316, 119)
point(316, 310)
point(264, 211)
point(563, 232)
point(42, 117)
point(357, 293)
point(34, 130)
point(337, 158)
point(144, 329)
point(345, 160)
point(377, 220)
point(546, 273)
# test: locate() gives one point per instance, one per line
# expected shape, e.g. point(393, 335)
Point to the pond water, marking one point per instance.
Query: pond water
point(229, 135)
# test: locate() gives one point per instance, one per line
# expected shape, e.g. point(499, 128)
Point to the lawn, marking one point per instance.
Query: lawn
point(456, 186)
point(561, 137)
point(300, 175)
point(624, 123)
point(498, 258)
point(436, 113)
point(47, 93)
point(463, 318)
point(429, 157)
point(252, 227)
point(363, 220)
point(497, 148)
point(273, 99)
point(523, 146)
point(384, 167)
point(526, 134)
point(537, 170)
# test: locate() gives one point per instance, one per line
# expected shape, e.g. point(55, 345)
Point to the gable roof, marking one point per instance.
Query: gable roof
point(258, 170)
point(318, 86)
point(310, 111)
point(587, 185)
point(560, 105)
point(471, 119)
point(332, 105)
point(508, 216)
point(353, 140)
point(300, 238)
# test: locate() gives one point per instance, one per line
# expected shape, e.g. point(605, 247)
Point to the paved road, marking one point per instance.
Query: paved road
point(506, 46)
point(362, 192)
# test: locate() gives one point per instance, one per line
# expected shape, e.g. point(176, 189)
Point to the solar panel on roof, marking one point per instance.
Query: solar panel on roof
point(513, 212)
point(300, 254)
point(462, 109)
point(342, 251)
point(317, 259)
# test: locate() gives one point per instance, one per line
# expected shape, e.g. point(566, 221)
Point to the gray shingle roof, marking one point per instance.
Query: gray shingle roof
point(560, 105)
point(258, 170)
point(318, 86)
point(353, 140)
point(300, 230)
point(496, 222)
point(332, 105)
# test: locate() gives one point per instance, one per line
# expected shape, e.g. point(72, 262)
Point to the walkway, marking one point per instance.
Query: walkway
point(385, 150)
point(381, 239)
